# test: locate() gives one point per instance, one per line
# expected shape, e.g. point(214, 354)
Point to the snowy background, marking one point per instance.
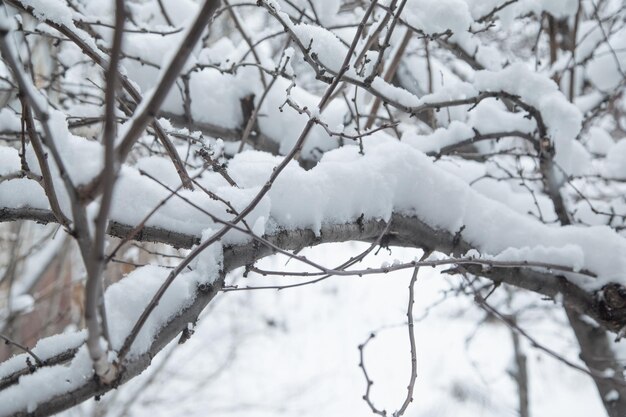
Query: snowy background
point(294, 352)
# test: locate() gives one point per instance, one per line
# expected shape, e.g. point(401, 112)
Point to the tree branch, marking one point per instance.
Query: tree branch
point(404, 231)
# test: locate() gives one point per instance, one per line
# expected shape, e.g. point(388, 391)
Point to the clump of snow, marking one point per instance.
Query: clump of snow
point(222, 107)
point(323, 44)
point(606, 68)
point(390, 177)
point(479, 8)
point(9, 160)
point(45, 348)
point(488, 56)
point(55, 11)
point(155, 167)
point(562, 119)
point(451, 91)
point(22, 192)
point(9, 120)
point(440, 138)
point(23, 303)
point(491, 115)
point(438, 16)
point(136, 195)
point(614, 165)
point(393, 93)
point(612, 395)
point(599, 141)
point(566, 255)
point(83, 159)
point(283, 124)
point(128, 298)
point(46, 383)
point(60, 13)
point(393, 177)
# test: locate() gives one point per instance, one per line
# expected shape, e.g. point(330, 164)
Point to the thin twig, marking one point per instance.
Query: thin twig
point(10, 341)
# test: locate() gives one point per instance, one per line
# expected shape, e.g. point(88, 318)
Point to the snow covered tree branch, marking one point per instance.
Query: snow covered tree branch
point(213, 135)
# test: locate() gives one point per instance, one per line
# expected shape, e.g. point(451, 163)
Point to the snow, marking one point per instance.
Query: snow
point(488, 56)
point(179, 11)
point(454, 90)
point(45, 349)
point(390, 177)
point(55, 11)
point(9, 161)
point(394, 93)
point(558, 256)
point(285, 126)
point(440, 138)
point(145, 194)
point(607, 68)
point(323, 44)
point(612, 395)
point(487, 117)
point(35, 388)
point(60, 13)
point(309, 352)
point(222, 107)
point(484, 179)
point(614, 166)
point(128, 298)
point(599, 141)
point(480, 8)
point(385, 183)
point(22, 192)
point(589, 38)
point(438, 16)
point(345, 185)
point(562, 119)
point(9, 121)
point(22, 303)
point(6, 24)
point(83, 159)
point(491, 115)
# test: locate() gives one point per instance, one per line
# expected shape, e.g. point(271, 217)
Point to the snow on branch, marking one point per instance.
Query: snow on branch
point(412, 123)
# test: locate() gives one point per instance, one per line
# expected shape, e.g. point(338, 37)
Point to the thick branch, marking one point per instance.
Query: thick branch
point(404, 231)
point(596, 352)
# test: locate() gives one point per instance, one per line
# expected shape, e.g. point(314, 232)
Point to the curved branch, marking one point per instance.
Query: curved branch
point(403, 231)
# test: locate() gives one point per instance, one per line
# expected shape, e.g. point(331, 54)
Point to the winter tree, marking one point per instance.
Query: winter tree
point(155, 153)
